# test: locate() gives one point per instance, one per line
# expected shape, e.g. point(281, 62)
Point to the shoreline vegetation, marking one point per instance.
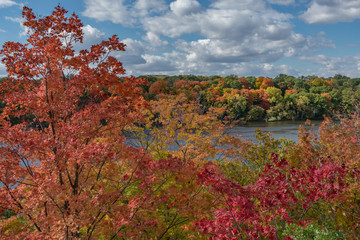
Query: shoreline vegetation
point(262, 99)
point(66, 171)
point(252, 98)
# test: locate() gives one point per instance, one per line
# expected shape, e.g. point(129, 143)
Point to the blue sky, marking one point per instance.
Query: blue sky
point(214, 37)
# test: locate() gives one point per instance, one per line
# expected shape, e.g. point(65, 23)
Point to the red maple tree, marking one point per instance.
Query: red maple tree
point(64, 164)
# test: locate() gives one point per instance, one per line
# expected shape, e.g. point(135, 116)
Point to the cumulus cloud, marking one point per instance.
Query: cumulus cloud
point(175, 62)
point(185, 7)
point(3, 72)
point(108, 10)
point(145, 7)
point(282, 2)
point(251, 49)
point(318, 41)
point(266, 69)
point(329, 66)
point(122, 12)
point(244, 37)
point(247, 32)
point(91, 36)
point(91, 32)
point(224, 20)
point(7, 3)
point(331, 11)
point(20, 21)
point(158, 64)
point(154, 40)
point(239, 5)
point(133, 54)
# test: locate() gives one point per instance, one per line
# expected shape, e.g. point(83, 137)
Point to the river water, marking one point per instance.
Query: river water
point(282, 129)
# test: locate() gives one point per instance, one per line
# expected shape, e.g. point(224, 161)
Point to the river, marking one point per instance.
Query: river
point(281, 129)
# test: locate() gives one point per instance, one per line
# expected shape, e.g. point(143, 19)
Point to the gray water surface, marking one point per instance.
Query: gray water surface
point(282, 129)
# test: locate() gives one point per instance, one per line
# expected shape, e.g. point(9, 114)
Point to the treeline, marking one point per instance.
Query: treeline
point(271, 99)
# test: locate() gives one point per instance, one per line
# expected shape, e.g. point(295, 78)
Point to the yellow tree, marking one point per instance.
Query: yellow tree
point(185, 131)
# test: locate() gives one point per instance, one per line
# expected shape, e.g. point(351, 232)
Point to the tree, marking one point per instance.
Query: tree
point(274, 95)
point(244, 84)
point(349, 99)
point(65, 169)
point(184, 131)
point(317, 82)
point(237, 105)
point(255, 113)
point(340, 142)
point(266, 83)
point(281, 195)
point(190, 88)
point(258, 82)
point(159, 87)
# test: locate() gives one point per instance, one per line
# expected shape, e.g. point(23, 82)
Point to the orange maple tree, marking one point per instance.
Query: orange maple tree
point(65, 167)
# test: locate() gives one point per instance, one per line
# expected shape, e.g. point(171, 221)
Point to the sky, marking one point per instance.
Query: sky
point(213, 37)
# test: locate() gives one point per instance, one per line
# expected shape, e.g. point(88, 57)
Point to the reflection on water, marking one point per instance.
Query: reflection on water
point(283, 129)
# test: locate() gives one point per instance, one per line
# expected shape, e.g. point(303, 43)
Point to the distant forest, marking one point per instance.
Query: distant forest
point(262, 98)
point(259, 98)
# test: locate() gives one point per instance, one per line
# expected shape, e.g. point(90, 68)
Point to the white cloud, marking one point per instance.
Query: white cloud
point(185, 7)
point(220, 22)
point(7, 3)
point(331, 11)
point(329, 66)
point(154, 40)
point(240, 34)
point(92, 36)
point(244, 37)
point(20, 21)
point(90, 31)
point(239, 5)
point(282, 2)
point(2, 70)
point(145, 7)
point(121, 11)
point(270, 70)
point(250, 49)
point(318, 41)
point(229, 24)
point(171, 25)
point(133, 54)
point(175, 63)
point(108, 10)
point(158, 64)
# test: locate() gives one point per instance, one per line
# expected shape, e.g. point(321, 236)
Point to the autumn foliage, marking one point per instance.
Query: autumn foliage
point(64, 166)
point(281, 194)
point(84, 156)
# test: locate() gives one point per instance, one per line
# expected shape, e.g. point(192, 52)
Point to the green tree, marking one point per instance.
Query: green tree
point(237, 106)
point(255, 113)
point(350, 99)
point(274, 95)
